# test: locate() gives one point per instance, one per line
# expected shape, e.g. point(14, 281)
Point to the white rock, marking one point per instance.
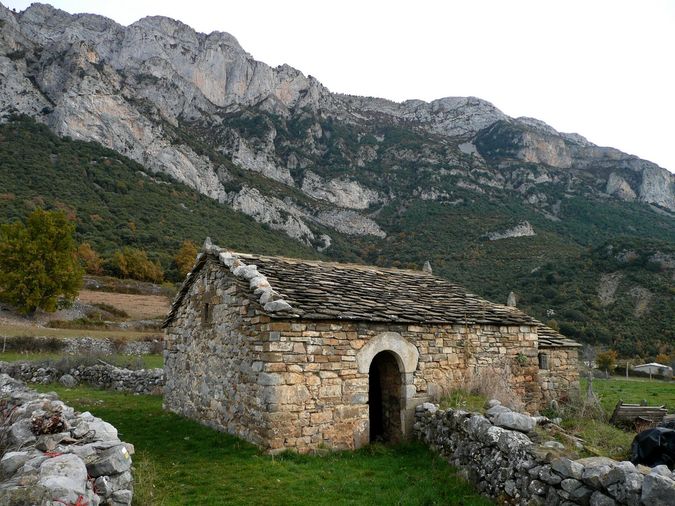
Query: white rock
point(277, 305)
point(11, 461)
point(66, 476)
point(514, 421)
point(103, 431)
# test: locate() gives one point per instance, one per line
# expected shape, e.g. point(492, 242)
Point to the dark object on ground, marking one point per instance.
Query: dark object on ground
point(632, 414)
point(668, 422)
point(654, 447)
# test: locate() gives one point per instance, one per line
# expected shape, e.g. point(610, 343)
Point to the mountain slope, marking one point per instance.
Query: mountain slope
point(114, 201)
point(487, 198)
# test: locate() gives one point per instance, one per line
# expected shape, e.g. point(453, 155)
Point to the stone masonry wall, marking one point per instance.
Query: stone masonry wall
point(316, 396)
point(50, 454)
point(497, 455)
point(561, 379)
point(212, 358)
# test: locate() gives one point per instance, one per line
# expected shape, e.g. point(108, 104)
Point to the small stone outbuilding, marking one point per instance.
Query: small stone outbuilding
point(303, 354)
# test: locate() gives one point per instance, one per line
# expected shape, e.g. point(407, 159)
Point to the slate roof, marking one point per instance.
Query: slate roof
point(307, 289)
point(549, 338)
point(326, 290)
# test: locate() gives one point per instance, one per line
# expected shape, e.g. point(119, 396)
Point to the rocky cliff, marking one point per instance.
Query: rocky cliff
point(497, 204)
point(276, 144)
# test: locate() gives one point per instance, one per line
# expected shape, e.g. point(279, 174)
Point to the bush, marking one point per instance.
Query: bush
point(134, 263)
point(38, 262)
point(492, 382)
point(606, 361)
point(90, 260)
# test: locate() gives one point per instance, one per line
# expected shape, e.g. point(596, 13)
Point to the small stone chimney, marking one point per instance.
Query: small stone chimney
point(511, 300)
point(427, 267)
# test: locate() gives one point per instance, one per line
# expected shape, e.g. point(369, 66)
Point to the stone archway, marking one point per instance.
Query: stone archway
point(390, 362)
point(385, 398)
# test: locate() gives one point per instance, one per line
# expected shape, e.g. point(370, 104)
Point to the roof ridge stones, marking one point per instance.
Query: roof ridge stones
point(269, 299)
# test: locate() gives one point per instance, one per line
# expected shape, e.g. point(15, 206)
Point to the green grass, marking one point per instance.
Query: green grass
point(191, 464)
point(600, 438)
point(461, 399)
point(633, 391)
point(148, 361)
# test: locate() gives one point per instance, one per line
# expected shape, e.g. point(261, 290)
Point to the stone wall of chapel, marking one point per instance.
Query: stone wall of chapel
point(212, 361)
point(561, 379)
point(315, 395)
point(296, 383)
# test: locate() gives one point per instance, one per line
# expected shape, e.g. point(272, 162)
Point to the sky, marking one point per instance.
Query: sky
point(603, 69)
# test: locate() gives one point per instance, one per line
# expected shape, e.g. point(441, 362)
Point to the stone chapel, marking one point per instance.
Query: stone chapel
point(303, 354)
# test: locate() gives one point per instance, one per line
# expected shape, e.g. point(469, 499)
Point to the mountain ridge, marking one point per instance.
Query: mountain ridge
point(188, 76)
point(354, 178)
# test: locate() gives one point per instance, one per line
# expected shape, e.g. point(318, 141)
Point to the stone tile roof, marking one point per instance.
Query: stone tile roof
point(549, 338)
point(293, 288)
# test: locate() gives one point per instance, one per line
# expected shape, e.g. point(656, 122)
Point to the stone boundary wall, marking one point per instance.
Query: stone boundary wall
point(51, 454)
point(506, 465)
point(103, 346)
point(141, 381)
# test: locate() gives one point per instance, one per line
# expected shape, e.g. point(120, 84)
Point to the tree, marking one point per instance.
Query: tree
point(662, 358)
point(185, 258)
point(90, 260)
point(134, 263)
point(607, 360)
point(38, 262)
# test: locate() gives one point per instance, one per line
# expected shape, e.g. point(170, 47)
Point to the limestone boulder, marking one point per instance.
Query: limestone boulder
point(68, 381)
point(514, 421)
point(112, 461)
point(658, 490)
point(65, 476)
point(567, 468)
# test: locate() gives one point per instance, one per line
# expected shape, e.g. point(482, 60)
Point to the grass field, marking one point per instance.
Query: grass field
point(179, 462)
point(138, 307)
point(604, 439)
point(633, 390)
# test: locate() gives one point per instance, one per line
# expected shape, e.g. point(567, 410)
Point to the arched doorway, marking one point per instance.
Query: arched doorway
point(384, 398)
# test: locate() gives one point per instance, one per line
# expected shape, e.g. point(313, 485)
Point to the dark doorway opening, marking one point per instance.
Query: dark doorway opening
point(384, 398)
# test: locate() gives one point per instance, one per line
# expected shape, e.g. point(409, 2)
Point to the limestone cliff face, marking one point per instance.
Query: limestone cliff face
point(198, 107)
point(523, 229)
point(624, 176)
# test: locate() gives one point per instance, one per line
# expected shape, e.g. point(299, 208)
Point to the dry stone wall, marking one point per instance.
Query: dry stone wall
point(496, 454)
point(141, 381)
point(93, 345)
point(54, 455)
